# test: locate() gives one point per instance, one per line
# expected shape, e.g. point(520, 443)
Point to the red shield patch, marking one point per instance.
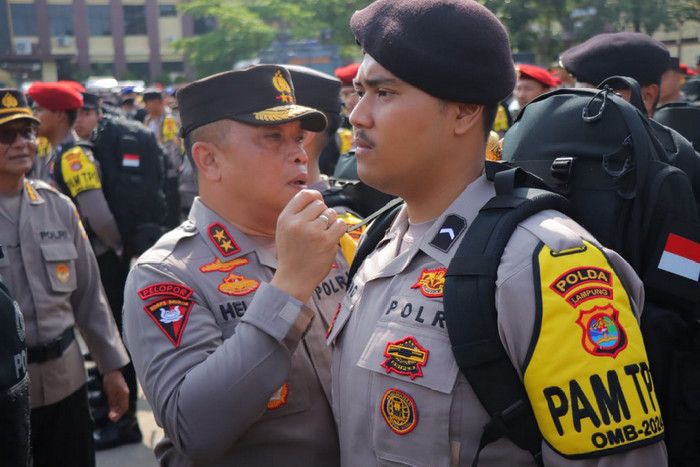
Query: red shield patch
point(431, 282)
point(603, 335)
point(170, 315)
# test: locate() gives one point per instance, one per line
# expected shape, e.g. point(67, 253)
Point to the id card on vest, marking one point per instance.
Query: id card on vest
point(587, 373)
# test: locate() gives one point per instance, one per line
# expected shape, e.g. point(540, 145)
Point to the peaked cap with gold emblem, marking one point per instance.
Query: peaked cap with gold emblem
point(13, 106)
point(258, 95)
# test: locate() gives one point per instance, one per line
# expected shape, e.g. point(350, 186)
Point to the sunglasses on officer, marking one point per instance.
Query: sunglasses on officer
point(8, 133)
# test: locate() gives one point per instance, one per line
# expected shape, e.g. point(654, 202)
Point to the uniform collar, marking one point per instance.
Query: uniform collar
point(444, 236)
point(222, 238)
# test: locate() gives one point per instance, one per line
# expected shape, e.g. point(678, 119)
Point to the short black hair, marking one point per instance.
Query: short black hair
point(72, 116)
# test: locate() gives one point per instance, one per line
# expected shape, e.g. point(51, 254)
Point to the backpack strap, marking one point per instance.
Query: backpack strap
point(473, 330)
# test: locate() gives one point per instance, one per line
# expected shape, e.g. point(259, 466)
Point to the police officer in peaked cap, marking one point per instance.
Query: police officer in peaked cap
point(398, 395)
point(50, 269)
point(225, 316)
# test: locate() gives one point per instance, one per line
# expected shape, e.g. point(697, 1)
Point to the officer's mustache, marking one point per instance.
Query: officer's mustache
point(360, 136)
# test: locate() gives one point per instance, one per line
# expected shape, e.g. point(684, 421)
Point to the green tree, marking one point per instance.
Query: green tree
point(244, 27)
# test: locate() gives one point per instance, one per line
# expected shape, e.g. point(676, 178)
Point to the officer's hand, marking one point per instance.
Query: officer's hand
point(117, 393)
point(306, 244)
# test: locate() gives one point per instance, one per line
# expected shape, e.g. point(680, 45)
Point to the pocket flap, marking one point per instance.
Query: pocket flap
point(59, 251)
point(422, 357)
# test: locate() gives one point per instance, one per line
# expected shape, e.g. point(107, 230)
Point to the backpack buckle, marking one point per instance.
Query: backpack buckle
point(561, 168)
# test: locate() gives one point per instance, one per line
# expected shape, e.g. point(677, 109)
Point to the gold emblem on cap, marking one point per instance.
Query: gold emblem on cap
point(9, 100)
point(277, 114)
point(283, 88)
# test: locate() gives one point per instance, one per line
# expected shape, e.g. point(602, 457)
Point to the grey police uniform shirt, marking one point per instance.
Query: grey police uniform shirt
point(384, 305)
point(245, 377)
point(51, 271)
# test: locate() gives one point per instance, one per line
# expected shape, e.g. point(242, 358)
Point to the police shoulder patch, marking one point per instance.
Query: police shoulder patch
point(79, 171)
point(170, 315)
point(587, 373)
point(399, 411)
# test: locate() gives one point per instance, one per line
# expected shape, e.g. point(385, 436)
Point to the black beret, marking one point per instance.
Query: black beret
point(90, 101)
point(151, 95)
point(258, 95)
point(632, 54)
point(315, 89)
point(455, 50)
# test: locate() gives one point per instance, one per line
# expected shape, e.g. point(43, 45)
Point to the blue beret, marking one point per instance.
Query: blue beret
point(455, 50)
point(630, 54)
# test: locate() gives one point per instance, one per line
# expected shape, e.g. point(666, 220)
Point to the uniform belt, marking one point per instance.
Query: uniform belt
point(52, 350)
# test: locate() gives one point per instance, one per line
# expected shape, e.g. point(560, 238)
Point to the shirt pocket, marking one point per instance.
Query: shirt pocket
point(59, 260)
point(411, 390)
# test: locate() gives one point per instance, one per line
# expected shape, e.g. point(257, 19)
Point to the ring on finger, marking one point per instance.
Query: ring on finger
point(325, 219)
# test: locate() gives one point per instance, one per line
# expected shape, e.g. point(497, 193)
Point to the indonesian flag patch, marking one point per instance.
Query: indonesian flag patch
point(681, 256)
point(131, 160)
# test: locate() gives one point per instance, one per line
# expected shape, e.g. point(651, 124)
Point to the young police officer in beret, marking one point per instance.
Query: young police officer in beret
point(420, 129)
point(225, 316)
point(50, 269)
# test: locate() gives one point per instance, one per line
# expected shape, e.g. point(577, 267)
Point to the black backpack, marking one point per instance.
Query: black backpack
point(683, 117)
point(133, 172)
point(14, 384)
point(599, 152)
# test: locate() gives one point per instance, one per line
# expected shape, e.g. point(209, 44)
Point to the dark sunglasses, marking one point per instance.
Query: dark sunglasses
point(8, 134)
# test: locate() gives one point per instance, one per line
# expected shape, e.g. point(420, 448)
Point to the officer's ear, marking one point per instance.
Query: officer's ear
point(467, 117)
point(204, 157)
point(650, 97)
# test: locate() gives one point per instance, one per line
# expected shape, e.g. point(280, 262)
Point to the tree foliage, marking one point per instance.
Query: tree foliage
point(543, 27)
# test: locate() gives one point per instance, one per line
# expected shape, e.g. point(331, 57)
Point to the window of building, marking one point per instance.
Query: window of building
point(102, 69)
point(137, 70)
point(23, 19)
point(61, 20)
point(204, 24)
point(134, 20)
point(168, 10)
point(99, 20)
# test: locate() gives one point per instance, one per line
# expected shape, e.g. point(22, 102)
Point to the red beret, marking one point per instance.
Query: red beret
point(347, 73)
point(55, 96)
point(72, 84)
point(686, 70)
point(536, 73)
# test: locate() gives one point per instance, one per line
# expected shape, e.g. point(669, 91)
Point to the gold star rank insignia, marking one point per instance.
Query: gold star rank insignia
point(222, 239)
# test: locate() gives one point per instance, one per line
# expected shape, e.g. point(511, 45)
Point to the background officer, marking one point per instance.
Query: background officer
point(51, 271)
point(225, 316)
point(398, 396)
point(88, 116)
point(164, 125)
point(645, 59)
point(532, 81)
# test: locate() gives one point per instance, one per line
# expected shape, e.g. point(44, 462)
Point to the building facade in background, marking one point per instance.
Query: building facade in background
point(72, 39)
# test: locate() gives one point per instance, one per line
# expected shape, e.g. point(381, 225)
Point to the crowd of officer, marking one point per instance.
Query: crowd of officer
point(250, 344)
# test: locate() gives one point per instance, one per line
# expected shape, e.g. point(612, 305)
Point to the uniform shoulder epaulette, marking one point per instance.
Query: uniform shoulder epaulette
point(167, 244)
point(41, 185)
point(556, 230)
